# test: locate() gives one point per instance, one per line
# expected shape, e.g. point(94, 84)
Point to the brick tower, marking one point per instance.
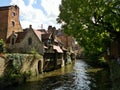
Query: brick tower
point(9, 21)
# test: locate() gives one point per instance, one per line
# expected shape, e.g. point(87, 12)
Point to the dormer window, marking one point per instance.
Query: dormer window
point(12, 23)
point(13, 13)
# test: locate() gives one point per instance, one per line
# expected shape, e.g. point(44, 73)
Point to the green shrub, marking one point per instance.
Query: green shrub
point(2, 46)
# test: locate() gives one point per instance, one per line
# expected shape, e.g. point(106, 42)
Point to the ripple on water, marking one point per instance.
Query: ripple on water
point(71, 77)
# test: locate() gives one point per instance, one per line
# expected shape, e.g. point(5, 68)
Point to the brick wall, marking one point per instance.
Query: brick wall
point(3, 22)
point(9, 21)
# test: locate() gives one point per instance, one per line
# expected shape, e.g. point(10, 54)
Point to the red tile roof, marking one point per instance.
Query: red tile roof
point(42, 30)
point(58, 49)
point(38, 33)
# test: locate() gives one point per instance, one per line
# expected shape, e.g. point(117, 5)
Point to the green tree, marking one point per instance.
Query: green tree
point(94, 23)
point(2, 45)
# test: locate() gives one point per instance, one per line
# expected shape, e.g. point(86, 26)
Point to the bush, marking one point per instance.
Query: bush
point(2, 46)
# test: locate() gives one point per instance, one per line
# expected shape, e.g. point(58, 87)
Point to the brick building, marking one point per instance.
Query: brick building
point(9, 21)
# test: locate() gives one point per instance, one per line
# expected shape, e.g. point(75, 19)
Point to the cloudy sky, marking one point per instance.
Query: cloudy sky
point(36, 12)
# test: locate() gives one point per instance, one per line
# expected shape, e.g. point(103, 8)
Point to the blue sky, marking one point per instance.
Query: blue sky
point(36, 12)
point(5, 2)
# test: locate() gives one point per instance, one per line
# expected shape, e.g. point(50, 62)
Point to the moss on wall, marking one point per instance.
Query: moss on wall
point(19, 67)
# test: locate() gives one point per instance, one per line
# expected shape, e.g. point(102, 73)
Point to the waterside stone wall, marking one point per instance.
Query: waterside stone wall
point(25, 63)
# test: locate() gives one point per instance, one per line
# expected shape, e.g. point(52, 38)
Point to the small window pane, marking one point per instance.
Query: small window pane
point(13, 13)
point(12, 23)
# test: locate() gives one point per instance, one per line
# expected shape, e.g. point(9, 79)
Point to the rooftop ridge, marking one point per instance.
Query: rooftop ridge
point(8, 7)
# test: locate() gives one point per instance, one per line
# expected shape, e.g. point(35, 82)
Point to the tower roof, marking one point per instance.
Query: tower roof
point(8, 7)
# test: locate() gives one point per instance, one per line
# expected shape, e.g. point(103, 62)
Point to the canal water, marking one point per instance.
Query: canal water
point(76, 76)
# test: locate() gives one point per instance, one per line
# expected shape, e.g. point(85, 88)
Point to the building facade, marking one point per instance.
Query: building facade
point(9, 21)
point(25, 42)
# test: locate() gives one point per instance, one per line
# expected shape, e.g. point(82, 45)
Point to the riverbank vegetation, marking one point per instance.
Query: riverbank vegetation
point(2, 46)
point(13, 74)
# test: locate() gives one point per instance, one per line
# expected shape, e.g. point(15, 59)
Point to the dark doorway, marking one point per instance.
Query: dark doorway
point(39, 67)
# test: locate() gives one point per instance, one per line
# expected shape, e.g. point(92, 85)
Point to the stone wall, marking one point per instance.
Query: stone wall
point(2, 65)
point(25, 63)
point(36, 43)
point(24, 47)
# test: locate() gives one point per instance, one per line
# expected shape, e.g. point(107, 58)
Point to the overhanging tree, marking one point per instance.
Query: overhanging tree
point(94, 23)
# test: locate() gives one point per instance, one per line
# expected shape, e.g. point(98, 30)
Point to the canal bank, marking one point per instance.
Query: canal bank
point(76, 76)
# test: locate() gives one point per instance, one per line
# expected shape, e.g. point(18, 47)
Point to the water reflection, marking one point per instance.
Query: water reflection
point(72, 77)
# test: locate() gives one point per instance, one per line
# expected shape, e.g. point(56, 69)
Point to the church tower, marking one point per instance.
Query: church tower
point(9, 21)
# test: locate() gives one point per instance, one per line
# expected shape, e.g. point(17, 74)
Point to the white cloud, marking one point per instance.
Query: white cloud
point(36, 17)
point(51, 6)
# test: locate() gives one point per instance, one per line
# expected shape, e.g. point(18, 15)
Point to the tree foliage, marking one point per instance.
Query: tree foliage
point(2, 45)
point(94, 23)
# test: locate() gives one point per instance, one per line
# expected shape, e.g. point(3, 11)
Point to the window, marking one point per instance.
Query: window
point(29, 41)
point(59, 33)
point(13, 13)
point(13, 41)
point(12, 23)
point(48, 41)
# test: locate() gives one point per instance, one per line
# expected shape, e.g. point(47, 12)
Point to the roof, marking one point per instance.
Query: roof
point(45, 36)
point(38, 33)
point(20, 36)
point(58, 49)
point(8, 7)
point(45, 47)
point(43, 31)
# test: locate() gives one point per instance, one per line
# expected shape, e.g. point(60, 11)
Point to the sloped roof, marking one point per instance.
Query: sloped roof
point(58, 49)
point(43, 31)
point(19, 36)
point(7, 7)
point(46, 36)
point(38, 33)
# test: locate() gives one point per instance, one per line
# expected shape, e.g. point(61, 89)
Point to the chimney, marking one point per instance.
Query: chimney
point(30, 26)
point(49, 29)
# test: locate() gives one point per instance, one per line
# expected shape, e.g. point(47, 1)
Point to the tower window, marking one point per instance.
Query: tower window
point(13, 13)
point(29, 41)
point(12, 23)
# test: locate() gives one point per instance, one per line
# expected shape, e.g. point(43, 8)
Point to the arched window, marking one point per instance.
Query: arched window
point(29, 41)
point(12, 23)
point(13, 13)
point(13, 41)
